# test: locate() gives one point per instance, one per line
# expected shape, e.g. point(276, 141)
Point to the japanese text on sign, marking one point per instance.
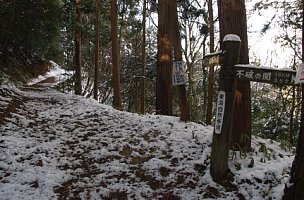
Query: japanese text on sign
point(219, 112)
point(265, 75)
point(178, 73)
point(212, 58)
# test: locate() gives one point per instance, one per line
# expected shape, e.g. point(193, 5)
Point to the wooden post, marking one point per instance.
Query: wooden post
point(225, 109)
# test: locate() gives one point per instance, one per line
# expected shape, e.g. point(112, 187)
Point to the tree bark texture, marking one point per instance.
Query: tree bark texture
point(211, 68)
point(115, 56)
point(143, 67)
point(77, 41)
point(164, 91)
point(294, 188)
point(232, 17)
point(96, 73)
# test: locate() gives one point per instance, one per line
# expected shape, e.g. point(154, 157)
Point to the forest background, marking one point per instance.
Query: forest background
point(37, 31)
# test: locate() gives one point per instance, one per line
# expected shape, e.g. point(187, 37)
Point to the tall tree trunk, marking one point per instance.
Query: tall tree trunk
point(115, 56)
point(77, 40)
point(232, 17)
point(178, 55)
point(143, 74)
point(164, 92)
point(96, 77)
point(211, 68)
point(294, 188)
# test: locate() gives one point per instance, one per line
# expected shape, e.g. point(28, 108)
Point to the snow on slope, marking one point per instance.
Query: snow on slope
point(57, 142)
point(56, 72)
point(58, 146)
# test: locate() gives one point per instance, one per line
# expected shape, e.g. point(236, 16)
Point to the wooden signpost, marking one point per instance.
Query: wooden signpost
point(256, 73)
point(213, 58)
point(265, 75)
point(225, 108)
point(230, 71)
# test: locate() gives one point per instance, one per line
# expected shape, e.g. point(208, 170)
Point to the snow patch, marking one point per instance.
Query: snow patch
point(232, 37)
point(66, 146)
point(56, 71)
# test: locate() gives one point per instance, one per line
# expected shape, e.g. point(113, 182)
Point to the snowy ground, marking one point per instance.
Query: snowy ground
point(55, 75)
point(59, 146)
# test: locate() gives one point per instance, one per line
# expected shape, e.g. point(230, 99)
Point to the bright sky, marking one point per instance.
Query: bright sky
point(263, 46)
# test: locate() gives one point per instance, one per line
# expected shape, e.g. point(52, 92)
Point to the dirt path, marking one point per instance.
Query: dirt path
point(94, 152)
point(16, 100)
point(51, 80)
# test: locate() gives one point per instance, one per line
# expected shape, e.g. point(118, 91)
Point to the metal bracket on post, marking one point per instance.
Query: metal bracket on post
point(225, 108)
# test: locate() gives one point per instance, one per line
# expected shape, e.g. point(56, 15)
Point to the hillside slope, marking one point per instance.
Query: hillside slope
point(59, 146)
point(18, 65)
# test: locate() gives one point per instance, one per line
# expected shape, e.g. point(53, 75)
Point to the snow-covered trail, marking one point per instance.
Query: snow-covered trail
point(59, 146)
point(66, 147)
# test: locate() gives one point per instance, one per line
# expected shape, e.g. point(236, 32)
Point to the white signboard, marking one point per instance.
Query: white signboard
point(300, 74)
point(220, 112)
point(178, 73)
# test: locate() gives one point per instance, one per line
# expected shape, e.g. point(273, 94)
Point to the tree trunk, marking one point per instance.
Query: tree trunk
point(96, 77)
point(232, 17)
point(211, 68)
point(294, 188)
point(77, 40)
point(143, 74)
point(178, 55)
point(115, 56)
point(164, 91)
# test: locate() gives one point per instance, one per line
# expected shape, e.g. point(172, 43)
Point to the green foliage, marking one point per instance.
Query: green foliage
point(130, 40)
point(275, 108)
point(32, 25)
point(263, 148)
point(285, 144)
point(271, 112)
